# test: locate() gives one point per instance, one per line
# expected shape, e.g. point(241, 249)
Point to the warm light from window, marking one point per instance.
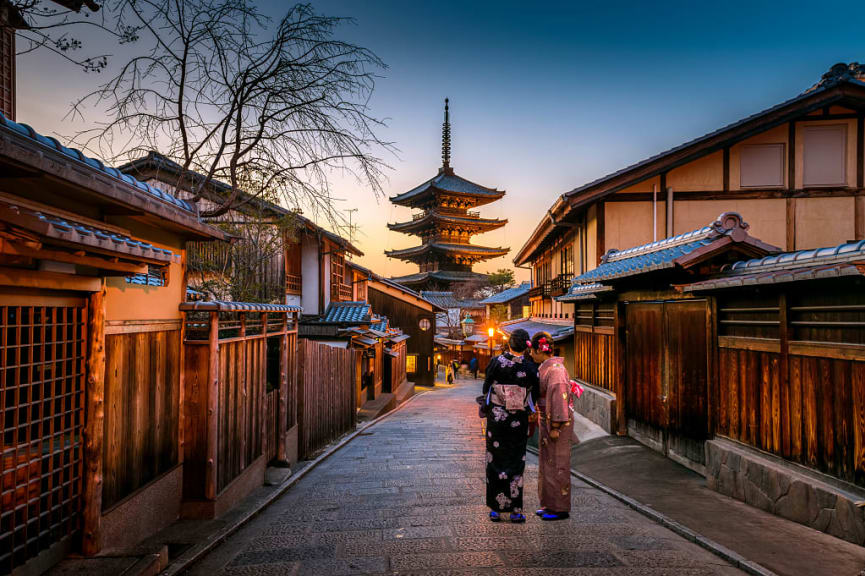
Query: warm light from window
point(491, 332)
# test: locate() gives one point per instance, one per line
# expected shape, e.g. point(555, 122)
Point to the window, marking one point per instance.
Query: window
point(825, 161)
point(761, 165)
point(411, 363)
point(567, 263)
point(424, 324)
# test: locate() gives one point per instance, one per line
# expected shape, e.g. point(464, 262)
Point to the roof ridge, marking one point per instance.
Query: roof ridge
point(798, 258)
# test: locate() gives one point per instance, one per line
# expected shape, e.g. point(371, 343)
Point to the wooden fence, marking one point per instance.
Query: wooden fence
point(142, 410)
point(231, 422)
point(326, 399)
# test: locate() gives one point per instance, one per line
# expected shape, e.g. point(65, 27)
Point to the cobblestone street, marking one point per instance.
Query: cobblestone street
point(406, 497)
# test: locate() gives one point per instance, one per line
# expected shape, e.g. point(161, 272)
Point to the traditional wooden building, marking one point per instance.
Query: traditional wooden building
point(743, 363)
point(92, 269)
point(795, 172)
point(407, 310)
point(513, 303)
point(445, 225)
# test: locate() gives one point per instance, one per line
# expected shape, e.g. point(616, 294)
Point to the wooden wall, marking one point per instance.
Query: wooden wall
point(326, 399)
point(142, 410)
point(791, 375)
point(241, 407)
point(595, 359)
point(406, 317)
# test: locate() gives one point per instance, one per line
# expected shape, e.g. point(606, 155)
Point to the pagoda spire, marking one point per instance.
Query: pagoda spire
point(446, 139)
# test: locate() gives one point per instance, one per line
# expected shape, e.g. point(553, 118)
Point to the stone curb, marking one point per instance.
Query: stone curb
point(198, 551)
point(715, 548)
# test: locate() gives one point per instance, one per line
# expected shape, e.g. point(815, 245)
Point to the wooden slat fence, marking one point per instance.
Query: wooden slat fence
point(142, 410)
point(271, 440)
point(326, 399)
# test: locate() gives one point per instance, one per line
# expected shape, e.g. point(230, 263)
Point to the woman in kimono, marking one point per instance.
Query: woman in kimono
point(556, 431)
point(510, 388)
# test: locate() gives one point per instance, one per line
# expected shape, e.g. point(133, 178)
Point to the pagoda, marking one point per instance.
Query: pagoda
point(445, 225)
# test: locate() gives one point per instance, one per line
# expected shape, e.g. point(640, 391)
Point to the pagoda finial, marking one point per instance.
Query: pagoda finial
point(446, 139)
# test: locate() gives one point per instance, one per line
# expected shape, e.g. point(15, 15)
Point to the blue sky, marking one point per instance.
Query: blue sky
point(546, 96)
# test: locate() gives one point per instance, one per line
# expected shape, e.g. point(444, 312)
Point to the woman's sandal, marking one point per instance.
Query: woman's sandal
point(549, 516)
point(517, 518)
point(494, 516)
point(540, 511)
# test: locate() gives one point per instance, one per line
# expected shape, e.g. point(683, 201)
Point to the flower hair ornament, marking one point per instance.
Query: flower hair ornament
point(543, 346)
point(529, 343)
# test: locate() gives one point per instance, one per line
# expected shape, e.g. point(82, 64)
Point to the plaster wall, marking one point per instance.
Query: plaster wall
point(125, 301)
point(824, 222)
point(767, 218)
point(642, 187)
point(309, 267)
point(629, 224)
point(706, 173)
point(592, 238)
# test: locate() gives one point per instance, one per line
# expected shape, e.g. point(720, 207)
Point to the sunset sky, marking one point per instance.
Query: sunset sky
point(545, 96)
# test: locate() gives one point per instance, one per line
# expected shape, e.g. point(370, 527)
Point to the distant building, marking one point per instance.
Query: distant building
point(445, 225)
point(515, 299)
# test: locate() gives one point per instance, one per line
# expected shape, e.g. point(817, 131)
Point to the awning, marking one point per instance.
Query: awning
point(390, 352)
point(399, 338)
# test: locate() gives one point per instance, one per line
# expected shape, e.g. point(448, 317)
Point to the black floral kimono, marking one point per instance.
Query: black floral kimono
point(507, 433)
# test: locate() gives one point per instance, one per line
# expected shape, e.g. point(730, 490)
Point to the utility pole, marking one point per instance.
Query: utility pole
point(350, 227)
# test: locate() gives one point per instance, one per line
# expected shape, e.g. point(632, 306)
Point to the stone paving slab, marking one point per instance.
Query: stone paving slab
point(407, 497)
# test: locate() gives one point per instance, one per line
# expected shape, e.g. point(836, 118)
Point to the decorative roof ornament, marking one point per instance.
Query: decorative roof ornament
point(446, 139)
point(840, 72)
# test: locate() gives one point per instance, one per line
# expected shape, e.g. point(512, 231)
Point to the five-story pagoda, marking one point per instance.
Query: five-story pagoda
point(445, 225)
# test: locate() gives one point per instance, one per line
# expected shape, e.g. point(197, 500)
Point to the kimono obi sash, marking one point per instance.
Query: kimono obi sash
point(509, 396)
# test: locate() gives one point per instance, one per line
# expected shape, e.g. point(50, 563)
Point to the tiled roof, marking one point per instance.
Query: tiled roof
point(447, 247)
point(154, 280)
point(818, 263)
point(447, 181)
point(74, 154)
point(534, 325)
point(434, 216)
point(509, 294)
point(347, 313)
point(447, 300)
point(381, 325)
point(441, 275)
point(584, 292)
point(222, 306)
point(667, 253)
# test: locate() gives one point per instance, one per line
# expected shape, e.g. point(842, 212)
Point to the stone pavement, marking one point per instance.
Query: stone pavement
point(406, 497)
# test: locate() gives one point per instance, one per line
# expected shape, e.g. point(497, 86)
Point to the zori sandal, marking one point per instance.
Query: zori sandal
point(550, 516)
point(517, 518)
point(494, 516)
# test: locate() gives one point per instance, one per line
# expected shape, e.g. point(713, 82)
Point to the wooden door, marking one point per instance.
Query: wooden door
point(686, 377)
point(42, 377)
point(666, 402)
point(645, 353)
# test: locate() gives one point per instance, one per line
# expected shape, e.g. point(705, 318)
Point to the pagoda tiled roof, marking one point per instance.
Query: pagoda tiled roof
point(440, 276)
point(434, 217)
point(448, 182)
point(484, 251)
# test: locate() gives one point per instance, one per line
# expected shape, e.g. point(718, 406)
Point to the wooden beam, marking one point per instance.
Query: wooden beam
point(670, 218)
point(726, 169)
point(791, 224)
point(283, 392)
point(743, 194)
point(860, 151)
point(791, 156)
point(212, 424)
point(91, 541)
point(859, 217)
point(48, 280)
point(600, 232)
point(20, 249)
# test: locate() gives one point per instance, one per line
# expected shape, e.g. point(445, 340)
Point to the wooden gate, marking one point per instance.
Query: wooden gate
point(42, 376)
point(667, 376)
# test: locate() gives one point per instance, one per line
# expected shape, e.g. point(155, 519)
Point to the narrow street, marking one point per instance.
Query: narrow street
point(406, 497)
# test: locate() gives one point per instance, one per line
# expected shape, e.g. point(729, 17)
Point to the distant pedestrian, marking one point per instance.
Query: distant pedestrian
point(455, 365)
point(509, 387)
point(556, 430)
point(473, 367)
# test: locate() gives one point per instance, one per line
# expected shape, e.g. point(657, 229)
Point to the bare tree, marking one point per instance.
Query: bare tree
point(273, 109)
point(59, 26)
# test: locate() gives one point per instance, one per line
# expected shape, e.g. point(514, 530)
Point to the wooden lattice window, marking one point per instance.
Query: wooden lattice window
point(42, 371)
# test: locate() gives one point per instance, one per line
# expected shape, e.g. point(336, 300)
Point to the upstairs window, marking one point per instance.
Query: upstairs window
point(825, 160)
point(761, 165)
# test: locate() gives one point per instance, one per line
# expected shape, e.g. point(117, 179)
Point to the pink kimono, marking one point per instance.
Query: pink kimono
point(554, 474)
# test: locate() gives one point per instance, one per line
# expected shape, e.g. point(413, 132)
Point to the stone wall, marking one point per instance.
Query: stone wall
point(785, 489)
point(597, 405)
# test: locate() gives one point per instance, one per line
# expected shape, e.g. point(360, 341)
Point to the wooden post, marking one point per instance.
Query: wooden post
point(282, 418)
point(94, 427)
point(712, 367)
point(620, 359)
point(212, 408)
point(301, 420)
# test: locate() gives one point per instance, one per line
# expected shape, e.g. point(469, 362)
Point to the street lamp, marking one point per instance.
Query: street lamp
point(491, 332)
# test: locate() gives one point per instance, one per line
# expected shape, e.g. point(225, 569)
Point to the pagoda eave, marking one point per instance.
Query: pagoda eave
point(470, 225)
